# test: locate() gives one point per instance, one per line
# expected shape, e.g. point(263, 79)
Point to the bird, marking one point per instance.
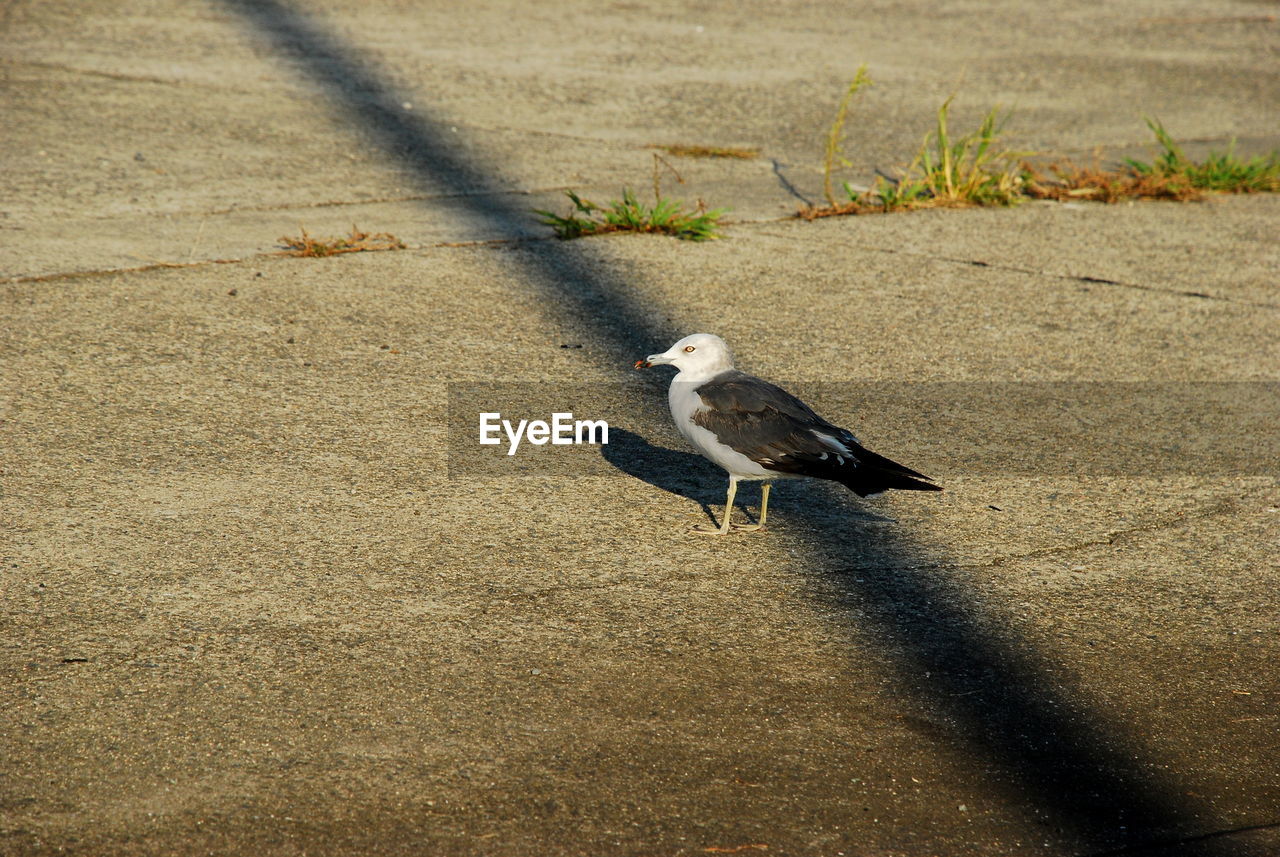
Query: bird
point(758, 431)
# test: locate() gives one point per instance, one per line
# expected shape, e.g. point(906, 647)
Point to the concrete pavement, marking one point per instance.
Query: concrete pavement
point(250, 609)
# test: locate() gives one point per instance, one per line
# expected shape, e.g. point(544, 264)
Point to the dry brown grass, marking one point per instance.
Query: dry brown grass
point(816, 212)
point(1067, 181)
point(683, 151)
point(356, 242)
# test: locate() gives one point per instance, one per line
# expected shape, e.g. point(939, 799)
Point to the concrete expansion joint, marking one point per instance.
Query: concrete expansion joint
point(153, 264)
point(133, 269)
point(1225, 506)
point(1019, 269)
point(89, 72)
point(1083, 278)
point(219, 87)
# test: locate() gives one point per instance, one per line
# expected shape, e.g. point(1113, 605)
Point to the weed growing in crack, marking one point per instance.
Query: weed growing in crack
point(356, 242)
point(973, 169)
point(665, 216)
point(970, 170)
point(1172, 175)
point(1068, 181)
point(1221, 171)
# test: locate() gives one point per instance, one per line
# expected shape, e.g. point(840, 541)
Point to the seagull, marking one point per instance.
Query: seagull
point(757, 430)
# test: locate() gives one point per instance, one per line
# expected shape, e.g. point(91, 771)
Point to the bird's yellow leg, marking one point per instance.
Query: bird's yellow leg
point(764, 512)
point(728, 513)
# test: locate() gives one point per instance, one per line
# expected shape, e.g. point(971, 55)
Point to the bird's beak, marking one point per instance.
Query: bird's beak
point(653, 360)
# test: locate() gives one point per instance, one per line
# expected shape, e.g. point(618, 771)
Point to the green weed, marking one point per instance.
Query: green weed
point(974, 169)
point(628, 214)
point(1172, 175)
point(1221, 171)
point(665, 216)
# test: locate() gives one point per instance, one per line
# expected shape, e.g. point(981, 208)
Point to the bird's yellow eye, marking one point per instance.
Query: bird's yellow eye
point(688, 348)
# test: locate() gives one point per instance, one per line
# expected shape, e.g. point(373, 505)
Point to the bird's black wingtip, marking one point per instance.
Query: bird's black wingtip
point(871, 484)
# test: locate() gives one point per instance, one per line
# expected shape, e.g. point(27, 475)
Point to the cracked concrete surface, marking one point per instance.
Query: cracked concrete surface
point(248, 609)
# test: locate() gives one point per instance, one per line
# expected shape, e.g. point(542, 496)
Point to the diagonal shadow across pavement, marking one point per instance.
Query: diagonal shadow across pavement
point(1073, 765)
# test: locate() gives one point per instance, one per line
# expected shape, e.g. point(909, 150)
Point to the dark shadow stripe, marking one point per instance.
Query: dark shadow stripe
point(569, 274)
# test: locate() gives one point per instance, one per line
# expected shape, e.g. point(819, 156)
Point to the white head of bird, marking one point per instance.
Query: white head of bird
point(698, 357)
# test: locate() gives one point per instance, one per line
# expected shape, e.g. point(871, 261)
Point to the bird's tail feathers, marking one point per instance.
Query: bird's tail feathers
point(871, 483)
point(876, 474)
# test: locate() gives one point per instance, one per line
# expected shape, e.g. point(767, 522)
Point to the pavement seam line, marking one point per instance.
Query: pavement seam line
point(89, 72)
point(1222, 507)
point(518, 239)
point(344, 203)
point(1018, 269)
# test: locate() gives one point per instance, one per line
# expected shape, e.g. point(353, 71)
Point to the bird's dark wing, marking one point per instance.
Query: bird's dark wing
point(763, 421)
point(779, 432)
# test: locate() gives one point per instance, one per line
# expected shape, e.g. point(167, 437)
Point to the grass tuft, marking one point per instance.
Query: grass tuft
point(1221, 171)
point(665, 216)
point(970, 170)
point(974, 169)
point(977, 170)
point(1172, 175)
point(356, 242)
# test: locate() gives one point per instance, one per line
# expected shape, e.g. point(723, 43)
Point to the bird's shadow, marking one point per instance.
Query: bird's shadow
point(684, 473)
point(695, 478)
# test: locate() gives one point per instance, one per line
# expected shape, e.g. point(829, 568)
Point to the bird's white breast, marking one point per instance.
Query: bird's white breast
point(685, 402)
